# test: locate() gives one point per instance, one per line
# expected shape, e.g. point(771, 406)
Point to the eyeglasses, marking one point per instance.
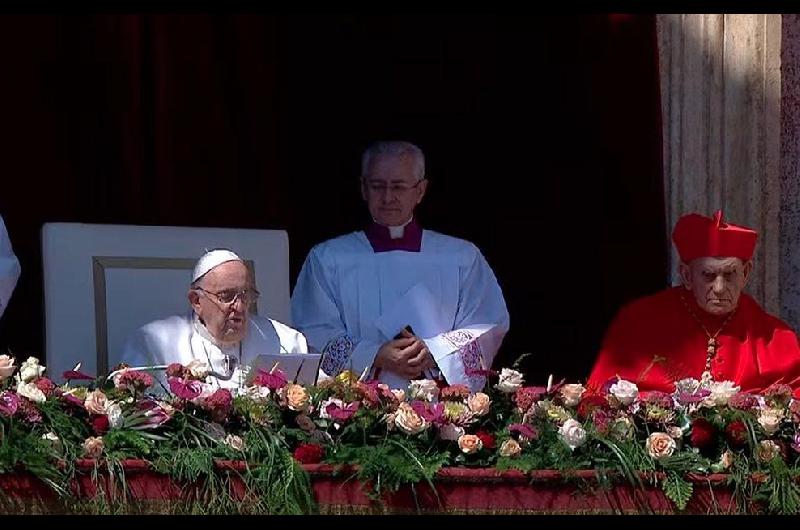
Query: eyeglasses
point(229, 296)
point(379, 187)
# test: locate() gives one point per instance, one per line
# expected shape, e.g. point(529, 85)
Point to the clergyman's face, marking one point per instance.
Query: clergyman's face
point(716, 283)
point(392, 188)
point(227, 322)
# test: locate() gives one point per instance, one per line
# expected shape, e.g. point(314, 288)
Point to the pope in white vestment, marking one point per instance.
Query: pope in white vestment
point(219, 331)
point(9, 268)
point(358, 292)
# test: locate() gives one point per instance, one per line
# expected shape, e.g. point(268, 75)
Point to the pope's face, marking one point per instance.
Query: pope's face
point(392, 188)
point(716, 283)
point(227, 322)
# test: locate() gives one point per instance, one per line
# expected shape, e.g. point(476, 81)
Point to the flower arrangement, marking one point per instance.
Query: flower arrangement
point(400, 436)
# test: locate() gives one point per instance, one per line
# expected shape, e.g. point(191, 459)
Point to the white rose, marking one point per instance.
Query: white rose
point(450, 431)
point(687, 386)
point(625, 391)
point(767, 450)
point(51, 436)
point(30, 370)
point(675, 431)
point(571, 394)
point(54, 440)
point(721, 393)
point(510, 381)
point(726, 460)
point(198, 369)
point(510, 448)
point(572, 433)
point(770, 420)
point(114, 413)
point(6, 367)
point(257, 393)
point(424, 389)
point(234, 442)
point(408, 421)
point(623, 428)
point(399, 395)
point(31, 391)
point(205, 392)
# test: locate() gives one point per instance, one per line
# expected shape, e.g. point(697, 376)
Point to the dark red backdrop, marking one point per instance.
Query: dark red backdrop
point(542, 135)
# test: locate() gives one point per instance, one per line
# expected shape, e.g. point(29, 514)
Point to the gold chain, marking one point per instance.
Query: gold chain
point(711, 349)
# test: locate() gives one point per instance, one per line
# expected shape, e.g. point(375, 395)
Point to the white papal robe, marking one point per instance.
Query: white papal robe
point(183, 338)
point(349, 300)
point(9, 268)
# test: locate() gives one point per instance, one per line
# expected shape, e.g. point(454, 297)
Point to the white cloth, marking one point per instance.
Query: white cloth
point(9, 268)
point(349, 300)
point(183, 338)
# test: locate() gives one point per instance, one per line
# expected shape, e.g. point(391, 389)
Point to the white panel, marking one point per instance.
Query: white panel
point(135, 295)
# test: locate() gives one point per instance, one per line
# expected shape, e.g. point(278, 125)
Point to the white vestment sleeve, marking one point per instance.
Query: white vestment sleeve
point(316, 314)
point(9, 268)
point(482, 321)
point(139, 350)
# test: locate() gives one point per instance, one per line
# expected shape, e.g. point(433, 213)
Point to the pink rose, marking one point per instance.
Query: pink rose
point(6, 367)
point(95, 402)
point(660, 445)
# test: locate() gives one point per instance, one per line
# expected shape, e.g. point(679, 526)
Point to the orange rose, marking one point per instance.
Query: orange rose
point(469, 443)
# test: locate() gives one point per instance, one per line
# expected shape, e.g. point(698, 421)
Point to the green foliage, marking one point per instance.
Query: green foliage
point(678, 489)
point(386, 467)
point(780, 489)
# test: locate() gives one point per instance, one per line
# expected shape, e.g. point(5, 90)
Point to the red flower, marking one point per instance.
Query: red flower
point(736, 432)
point(99, 423)
point(526, 396)
point(185, 389)
point(487, 439)
point(45, 385)
point(133, 380)
point(75, 375)
point(274, 380)
point(778, 394)
point(309, 453)
point(703, 433)
point(453, 392)
point(176, 370)
point(219, 403)
point(589, 404)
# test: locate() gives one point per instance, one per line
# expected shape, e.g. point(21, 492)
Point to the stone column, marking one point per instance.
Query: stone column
point(790, 171)
point(721, 100)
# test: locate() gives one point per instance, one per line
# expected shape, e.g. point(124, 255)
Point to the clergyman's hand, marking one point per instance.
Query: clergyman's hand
point(395, 355)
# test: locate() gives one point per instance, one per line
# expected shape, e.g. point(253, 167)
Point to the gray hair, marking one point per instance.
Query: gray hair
point(394, 148)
